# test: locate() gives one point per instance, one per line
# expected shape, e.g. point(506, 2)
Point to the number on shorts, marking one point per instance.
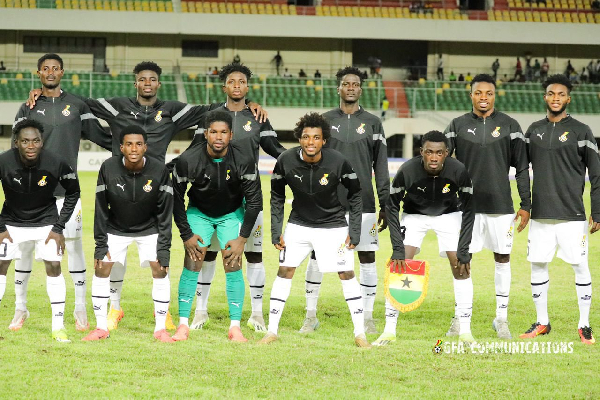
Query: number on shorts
point(3, 249)
point(282, 255)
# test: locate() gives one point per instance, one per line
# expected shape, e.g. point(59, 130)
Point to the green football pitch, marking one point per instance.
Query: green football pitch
point(325, 364)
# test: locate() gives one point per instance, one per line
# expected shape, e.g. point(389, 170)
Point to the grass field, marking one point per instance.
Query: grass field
point(322, 365)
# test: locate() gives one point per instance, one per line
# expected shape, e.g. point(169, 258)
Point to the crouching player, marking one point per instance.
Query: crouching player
point(29, 216)
point(434, 189)
point(134, 203)
point(317, 220)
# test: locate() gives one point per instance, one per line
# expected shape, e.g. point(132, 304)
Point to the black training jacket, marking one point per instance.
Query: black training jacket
point(488, 147)
point(134, 204)
point(360, 138)
point(560, 152)
point(448, 192)
point(29, 191)
point(217, 188)
point(316, 202)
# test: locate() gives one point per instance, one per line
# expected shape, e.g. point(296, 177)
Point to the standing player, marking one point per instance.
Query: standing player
point(222, 175)
point(359, 136)
point(134, 203)
point(235, 78)
point(434, 190)
point(488, 143)
point(66, 120)
point(29, 178)
point(317, 221)
point(560, 149)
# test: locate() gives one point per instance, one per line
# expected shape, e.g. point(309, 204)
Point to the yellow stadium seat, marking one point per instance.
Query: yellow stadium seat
point(421, 81)
point(292, 9)
point(169, 6)
point(253, 8)
point(438, 90)
point(501, 92)
point(445, 85)
point(277, 9)
point(3, 81)
point(310, 82)
point(19, 76)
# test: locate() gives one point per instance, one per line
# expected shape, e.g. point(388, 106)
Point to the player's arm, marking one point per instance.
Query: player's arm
point(350, 180)
point(450, 133)
point(465, 192)
point(22, 114)
point(164, 212)
point(588, 149)
point(101, 216)
point(397, 191)
point(278, 184)
point(92, 130)
point(269, 142)
point(69, 181)
point(180, 184)
point(106, 109)
point(520, 161)
point(382, 174)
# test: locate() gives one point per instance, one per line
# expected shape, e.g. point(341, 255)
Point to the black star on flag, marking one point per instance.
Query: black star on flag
point(406, 282)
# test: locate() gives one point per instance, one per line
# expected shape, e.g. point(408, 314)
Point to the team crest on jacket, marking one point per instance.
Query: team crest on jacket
point(42, 182)
point(148, 186)
point(496, 132)
point(361, 129)
point(66, 111)
point(248, 126)
point(258, 232)
point(227, 177)
point(324, 181)
point(158, 117)
point(563, 137)
point(446, 188)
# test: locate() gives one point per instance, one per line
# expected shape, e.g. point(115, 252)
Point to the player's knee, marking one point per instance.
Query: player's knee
point(346, 275)
point(501, 258)
point(286, 272)
point(210, 256)
point(4, 264)
point(193, 266)
point(52, 268)
point(366, 257)
point(157, 271)
point(253, 257)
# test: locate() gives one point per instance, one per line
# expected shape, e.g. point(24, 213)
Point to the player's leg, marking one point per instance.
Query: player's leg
point(116, 313)
point(255, 272)
point(161, 295)
point(100, 296)
point(205, 278)
point(369, 244)
point(57, 293)
point(23, 268)
point(4, 264)
point(351, 290)
point(313, 280)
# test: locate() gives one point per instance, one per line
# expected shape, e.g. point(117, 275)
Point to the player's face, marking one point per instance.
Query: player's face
point(557, 98)
point(29, 142)
point(434, 154)
point(349, 89)
point(311, 142)
point(50, 74)
point(236, 86)
point(147, 84)
point(218, 136)
point(133, 148)
point(483, 96)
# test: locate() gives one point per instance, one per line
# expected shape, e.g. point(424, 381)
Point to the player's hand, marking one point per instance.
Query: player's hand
point(5, 235)
point(349, 245)
point(594, 226)
point(259, 113)
point(397, 266)
point(463, 269)
point(33, 96)
point(98, 264)
point(382, 221)
point(192, 248)
point(281, 245)
point(232, 254)
point(59, 239)
point(524, 219)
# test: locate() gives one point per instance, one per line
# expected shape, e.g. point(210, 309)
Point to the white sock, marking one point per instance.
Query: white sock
point(502, 282)
point(463, 295)
point(540, 281)
point(233, 323)
point(205, 277)
point(353, 298)
point(57, 292)
point(184, 321)
point(255, 273)
point(76, 261)
point(391, 318)
point(368, 287)
point(2, 286)
point(314, 277)
point(583, 285)
point(161, 294)
point(23, 269)
point(100, 296)
point(117, 274)
point(279, 295)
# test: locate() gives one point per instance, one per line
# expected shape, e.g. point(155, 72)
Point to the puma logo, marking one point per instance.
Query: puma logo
point(18, 180)
point(299, 177)
point(122, 186)
point(235, 304)
point(472, 130)
point(337, 128)
point(134, 114)
point(421, 189)
point(541, 135)
point(43, 112)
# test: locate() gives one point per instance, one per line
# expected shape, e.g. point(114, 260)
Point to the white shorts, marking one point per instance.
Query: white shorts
point(445, 226)
point(494, 232)
point(545, 235)
point(22, 236)
point(117, 247)
point(369, 233)
point(254, 242)
point(329, 246)
point(73, 228)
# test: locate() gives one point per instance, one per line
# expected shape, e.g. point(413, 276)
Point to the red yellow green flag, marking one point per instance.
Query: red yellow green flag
point(407, 289)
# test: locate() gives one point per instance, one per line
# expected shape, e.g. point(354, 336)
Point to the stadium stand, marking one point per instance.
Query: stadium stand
point(102, 5)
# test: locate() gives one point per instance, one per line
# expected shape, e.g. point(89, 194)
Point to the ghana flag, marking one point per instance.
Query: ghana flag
point(407, 289)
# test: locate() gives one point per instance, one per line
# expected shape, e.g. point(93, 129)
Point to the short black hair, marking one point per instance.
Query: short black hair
point(231, 68)
point(483, 78)
point(133, 130)
point(218, 116)
point(558, 79)
point(26, 123)
point(312, 120)
point(349, 71)
point(147, 66)
point(434, 136)
point(50, 56)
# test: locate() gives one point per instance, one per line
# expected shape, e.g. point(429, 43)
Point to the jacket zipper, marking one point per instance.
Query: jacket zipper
point(483, 142)
point(310, 179)
point(552, 134)
point(29, 184)
point(53, 113)
point(134, 188)
point(348, 130)
point(433, 190)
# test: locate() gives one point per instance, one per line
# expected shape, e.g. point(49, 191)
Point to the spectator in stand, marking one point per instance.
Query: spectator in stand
point(287, 74)
point(215, 71)
point(452, 77)
point(385, 105)
point(518, 69)
point(440, 68)
point(591, 72)
point(302, 74)
point(528, 69)
point(317, 74)
point(596, 5)
point(585, 75)
point(469, 77)
point(544, 70)
point(597, 71)
point(536, 70)
point(2, 67)
point(569, 70)
point(278, 61)
point(209, 71)
point(495, 68)
point(461, 78)
point(237, 59)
